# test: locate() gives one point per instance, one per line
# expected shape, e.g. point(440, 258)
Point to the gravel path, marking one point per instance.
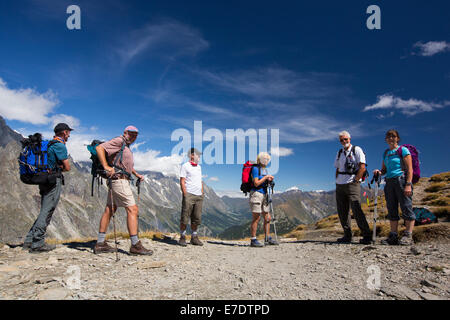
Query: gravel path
point(306, 269)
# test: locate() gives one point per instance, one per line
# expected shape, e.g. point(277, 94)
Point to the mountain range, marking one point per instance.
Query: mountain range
point(78, 213)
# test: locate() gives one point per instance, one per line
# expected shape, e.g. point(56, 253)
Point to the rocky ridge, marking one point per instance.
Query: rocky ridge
point(305, 269)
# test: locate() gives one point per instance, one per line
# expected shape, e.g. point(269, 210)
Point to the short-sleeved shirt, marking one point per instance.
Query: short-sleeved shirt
point(112, 149)
point(56, 152)
point(393, 163)
point(255, 174)
point(339, 164)
point(193, 176)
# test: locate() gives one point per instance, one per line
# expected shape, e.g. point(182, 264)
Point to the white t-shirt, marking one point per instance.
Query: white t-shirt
point(358, 158)
point(193, 177)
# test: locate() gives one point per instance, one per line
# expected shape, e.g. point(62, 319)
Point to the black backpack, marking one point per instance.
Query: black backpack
point(352, 168)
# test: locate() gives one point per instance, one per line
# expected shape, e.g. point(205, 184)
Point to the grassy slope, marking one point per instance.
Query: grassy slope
point(432, 193)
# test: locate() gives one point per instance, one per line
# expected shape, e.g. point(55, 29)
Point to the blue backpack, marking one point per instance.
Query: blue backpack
point(33, 161)
point(424, 216)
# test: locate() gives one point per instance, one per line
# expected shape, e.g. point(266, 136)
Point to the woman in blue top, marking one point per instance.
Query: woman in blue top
point(398, 189)
point(258, 200)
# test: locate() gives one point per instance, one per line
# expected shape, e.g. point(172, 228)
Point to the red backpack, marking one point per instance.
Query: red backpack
point(247, 179)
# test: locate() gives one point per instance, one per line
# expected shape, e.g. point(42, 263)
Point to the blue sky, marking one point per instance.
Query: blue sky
point(307, 69)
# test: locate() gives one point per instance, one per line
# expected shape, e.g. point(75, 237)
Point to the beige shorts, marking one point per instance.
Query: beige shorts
point(258, 202)
point(121, 190)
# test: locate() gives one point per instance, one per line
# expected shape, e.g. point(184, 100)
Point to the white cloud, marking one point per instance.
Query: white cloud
point(168, 39)
point(26, 105)
point(431, 48)
point(408, 107)
point(73, 122)
point(150, 160)
point(281, 152)
point(215, 179)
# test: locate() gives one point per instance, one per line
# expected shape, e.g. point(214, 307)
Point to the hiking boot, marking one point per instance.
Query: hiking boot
point(366, 240)
point(196, 241)
point(406, 240)
point(391, 240)
point(345, 239)
point(44, 248)
point(103, 247)
point(139, 249)
point(182, 241)
point(270, 241)
point(255, 243)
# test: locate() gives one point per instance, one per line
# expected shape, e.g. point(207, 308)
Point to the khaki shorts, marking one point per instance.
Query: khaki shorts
point(258, 202)
point(191, 207)
point(121, 190)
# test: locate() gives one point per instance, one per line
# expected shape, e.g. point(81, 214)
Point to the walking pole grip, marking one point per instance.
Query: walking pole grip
point(113, 216)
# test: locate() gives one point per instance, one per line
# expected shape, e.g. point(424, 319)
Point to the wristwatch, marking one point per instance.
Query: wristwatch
point(409, 183)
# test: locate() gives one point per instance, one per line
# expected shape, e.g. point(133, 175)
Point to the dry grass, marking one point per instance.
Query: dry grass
point(109, 236)
point(435, 187)
point(444, 176)
point(298, 233)
point(430, 197)
point(383, 229)
point(441, 202)
point(435, 231)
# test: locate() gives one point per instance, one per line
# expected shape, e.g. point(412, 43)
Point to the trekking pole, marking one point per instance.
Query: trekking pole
point(113, 216)
point(270, 193)
point(138, 185)
point(377, 179)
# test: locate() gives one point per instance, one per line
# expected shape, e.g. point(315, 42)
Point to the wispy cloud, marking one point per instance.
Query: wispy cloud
point(430, 48)
point(168, 39)
point(408, 107)
point(213, 179)
point(281, 152)
point(272, 82)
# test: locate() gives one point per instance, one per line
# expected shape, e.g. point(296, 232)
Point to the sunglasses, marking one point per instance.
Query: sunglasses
point(391, 136)
point(344, 139)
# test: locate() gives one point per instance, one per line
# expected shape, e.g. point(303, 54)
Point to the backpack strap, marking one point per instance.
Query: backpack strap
point(124, 144)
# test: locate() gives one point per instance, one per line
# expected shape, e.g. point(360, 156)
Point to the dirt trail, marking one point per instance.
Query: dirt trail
point(305, 269)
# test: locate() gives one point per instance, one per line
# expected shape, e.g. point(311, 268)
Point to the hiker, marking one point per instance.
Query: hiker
point(50, 192)
point(259, 204)
point(117, 160)
point(192, 188)
point(350, 164)
point(398, 189)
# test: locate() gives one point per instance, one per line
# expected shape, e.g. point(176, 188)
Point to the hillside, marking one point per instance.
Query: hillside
point(290, 209)
point(432, 193)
